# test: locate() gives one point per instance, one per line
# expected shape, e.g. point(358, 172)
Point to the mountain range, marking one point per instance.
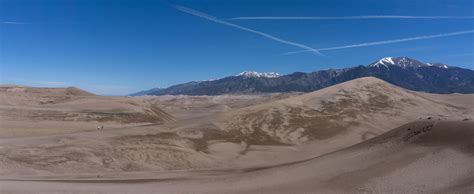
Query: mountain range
point(405, 72)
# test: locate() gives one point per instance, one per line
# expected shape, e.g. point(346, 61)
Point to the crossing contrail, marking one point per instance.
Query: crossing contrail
point(386, 42)
point(350, 17)
point(265, 35)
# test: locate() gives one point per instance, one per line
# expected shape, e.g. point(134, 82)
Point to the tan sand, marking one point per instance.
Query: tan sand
point(420, 157)
point(263, 143)
point(26, 111)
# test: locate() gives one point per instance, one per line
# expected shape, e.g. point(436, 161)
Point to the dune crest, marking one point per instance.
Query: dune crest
point(361, 106)
point(44, 111)
point(335, 140)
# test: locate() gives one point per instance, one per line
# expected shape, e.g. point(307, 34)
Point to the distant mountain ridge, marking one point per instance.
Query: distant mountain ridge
point(401, 71)
point(146, 92)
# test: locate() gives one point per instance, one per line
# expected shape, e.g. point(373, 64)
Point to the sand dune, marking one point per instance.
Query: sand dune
point(326, 120)
point(237, 144)
point(276, 132)
point(423, 156)
point(27, 111)
point(361, 105)
point(25, 90)
point(186, 107)
point(420, 157)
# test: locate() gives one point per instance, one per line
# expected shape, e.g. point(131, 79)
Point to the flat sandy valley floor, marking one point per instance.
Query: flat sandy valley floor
point(363, 135)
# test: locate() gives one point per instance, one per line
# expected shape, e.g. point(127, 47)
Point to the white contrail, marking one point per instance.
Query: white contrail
point(15, 23)
point(216, 20)
point(386, 42)
point(350, 17)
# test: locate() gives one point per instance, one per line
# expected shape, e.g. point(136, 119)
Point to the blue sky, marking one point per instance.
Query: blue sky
point(118, 47)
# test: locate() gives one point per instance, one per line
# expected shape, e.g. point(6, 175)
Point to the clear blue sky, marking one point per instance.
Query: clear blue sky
point(119, 47)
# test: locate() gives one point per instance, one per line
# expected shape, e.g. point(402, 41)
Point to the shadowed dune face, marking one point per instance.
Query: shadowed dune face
point(131, 153)
point(151, 114)
point(366, 103)
point(20, 95)
point(423, 156)
point(30, 109)
point(428, 156)
point(72, 91)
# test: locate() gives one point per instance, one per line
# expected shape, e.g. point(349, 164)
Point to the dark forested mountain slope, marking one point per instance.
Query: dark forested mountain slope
point(401, 71)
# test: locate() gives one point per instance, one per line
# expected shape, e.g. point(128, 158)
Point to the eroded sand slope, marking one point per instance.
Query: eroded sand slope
point(26, 111)
point(419, 157)
point(242, 144)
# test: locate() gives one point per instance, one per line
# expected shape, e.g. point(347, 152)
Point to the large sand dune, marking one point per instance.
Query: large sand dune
point(27, 111)
point(419, 157)
point(270, 143)
point(360, 106)
point(423, 156)
point(323, 121)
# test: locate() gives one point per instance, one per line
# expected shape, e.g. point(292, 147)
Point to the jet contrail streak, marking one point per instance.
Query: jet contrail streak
point(16, 23)
point(271, 37)
point(350, 17)
point(387, 41)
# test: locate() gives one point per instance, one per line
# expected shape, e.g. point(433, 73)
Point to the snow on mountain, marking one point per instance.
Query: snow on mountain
point(385, 62)
point(407, 62)
point(401, 71)
point(440, 65)
point(257, 74)
point(404, 62)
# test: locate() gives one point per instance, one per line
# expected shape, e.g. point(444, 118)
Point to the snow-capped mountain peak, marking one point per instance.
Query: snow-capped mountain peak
point(384, 62)
point(388, 60)
point(257, 74)
point(404, 62)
